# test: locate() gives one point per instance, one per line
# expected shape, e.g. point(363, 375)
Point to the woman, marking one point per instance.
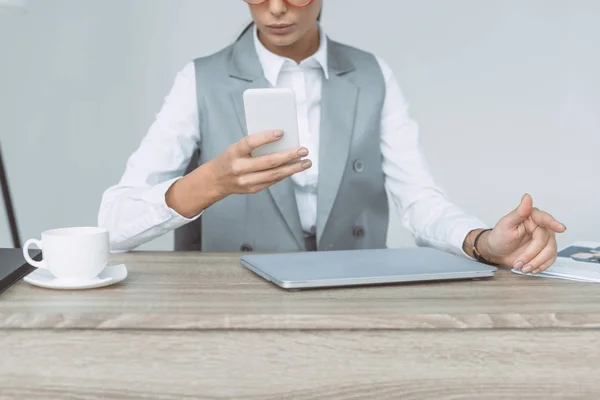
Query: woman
point(358, 140)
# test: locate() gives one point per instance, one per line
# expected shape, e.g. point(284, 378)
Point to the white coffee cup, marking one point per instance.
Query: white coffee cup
point(79, 253)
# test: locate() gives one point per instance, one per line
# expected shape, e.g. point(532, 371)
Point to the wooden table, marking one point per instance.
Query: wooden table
point(186, 325)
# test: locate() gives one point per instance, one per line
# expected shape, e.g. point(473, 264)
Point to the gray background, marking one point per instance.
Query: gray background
point(507, 94)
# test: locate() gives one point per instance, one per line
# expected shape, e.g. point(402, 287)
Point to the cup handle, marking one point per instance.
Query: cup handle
point(38, 243)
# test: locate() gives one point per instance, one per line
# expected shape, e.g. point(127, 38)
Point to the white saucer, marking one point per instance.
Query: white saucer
point(111, 275)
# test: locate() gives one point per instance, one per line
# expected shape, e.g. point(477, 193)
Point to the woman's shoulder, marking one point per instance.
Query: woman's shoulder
point(337, 46)
point(213, 57)
point(358, 55)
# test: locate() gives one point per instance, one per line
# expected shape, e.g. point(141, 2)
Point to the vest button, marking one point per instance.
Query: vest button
point(246, 248)
point(359, 166)
point(358, 231)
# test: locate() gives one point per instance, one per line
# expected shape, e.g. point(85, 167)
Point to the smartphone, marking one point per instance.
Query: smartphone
point(272, 109)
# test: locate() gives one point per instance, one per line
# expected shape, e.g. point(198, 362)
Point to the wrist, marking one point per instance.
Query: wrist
point(469, 241)
point(206, 179)
point(195, 192)
point(476, 245)
point(484, 249)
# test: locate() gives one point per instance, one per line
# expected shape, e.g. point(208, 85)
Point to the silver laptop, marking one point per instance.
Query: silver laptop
point(362, 267)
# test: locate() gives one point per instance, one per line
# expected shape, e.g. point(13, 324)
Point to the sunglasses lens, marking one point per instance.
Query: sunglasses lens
point(299, 3)
point(295, 3)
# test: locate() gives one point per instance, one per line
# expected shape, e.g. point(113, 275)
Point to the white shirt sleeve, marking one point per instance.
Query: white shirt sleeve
point(424, 208)
point(135, 211)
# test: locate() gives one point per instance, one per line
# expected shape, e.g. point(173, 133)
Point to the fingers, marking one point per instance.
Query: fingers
point(245, 174)
point(267, 162)
point(546, 220)
point(247, 145)
point(257, 181)
point(539, 240)
point(544, 259)
point(521, 213)
point(545, 266)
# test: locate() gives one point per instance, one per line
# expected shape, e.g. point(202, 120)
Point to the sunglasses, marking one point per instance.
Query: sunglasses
point(293, 3)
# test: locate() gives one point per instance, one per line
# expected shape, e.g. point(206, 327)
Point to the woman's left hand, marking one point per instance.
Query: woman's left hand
point(524, 239)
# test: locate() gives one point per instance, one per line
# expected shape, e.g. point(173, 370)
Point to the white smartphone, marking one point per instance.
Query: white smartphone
point(272, 109)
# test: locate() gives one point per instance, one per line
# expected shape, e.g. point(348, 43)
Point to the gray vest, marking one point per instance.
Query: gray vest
point(352, 206)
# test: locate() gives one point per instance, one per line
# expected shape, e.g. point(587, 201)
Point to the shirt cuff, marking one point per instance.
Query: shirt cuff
point(157, 196)
point(459, 235)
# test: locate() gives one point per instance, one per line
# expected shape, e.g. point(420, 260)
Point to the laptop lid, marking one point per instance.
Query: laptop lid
point(13, 266)
point(362, 267)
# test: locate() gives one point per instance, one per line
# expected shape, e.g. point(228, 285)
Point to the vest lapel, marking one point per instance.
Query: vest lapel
point(338, 110)
point(246, 72)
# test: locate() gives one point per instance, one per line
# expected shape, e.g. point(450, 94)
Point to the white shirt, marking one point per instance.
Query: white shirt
point(135, 210)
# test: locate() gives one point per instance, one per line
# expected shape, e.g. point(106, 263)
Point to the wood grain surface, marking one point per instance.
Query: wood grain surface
point(273, 365)
point(192, 291)
point(200, 326)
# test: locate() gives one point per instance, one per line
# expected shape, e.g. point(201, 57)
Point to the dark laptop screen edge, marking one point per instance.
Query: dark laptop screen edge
point(20, 272)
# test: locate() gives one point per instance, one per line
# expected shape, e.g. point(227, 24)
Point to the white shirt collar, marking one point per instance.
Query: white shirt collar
point(273, 64)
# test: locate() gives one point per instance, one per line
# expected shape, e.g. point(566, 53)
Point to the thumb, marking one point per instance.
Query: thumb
point(521, 213)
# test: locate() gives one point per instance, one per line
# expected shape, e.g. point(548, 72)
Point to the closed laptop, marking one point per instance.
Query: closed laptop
point(363, 267)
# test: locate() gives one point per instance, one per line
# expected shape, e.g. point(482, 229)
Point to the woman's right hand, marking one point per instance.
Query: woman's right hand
point(235, 171)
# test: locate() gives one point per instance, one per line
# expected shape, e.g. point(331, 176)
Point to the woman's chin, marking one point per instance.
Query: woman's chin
point(282, 40)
